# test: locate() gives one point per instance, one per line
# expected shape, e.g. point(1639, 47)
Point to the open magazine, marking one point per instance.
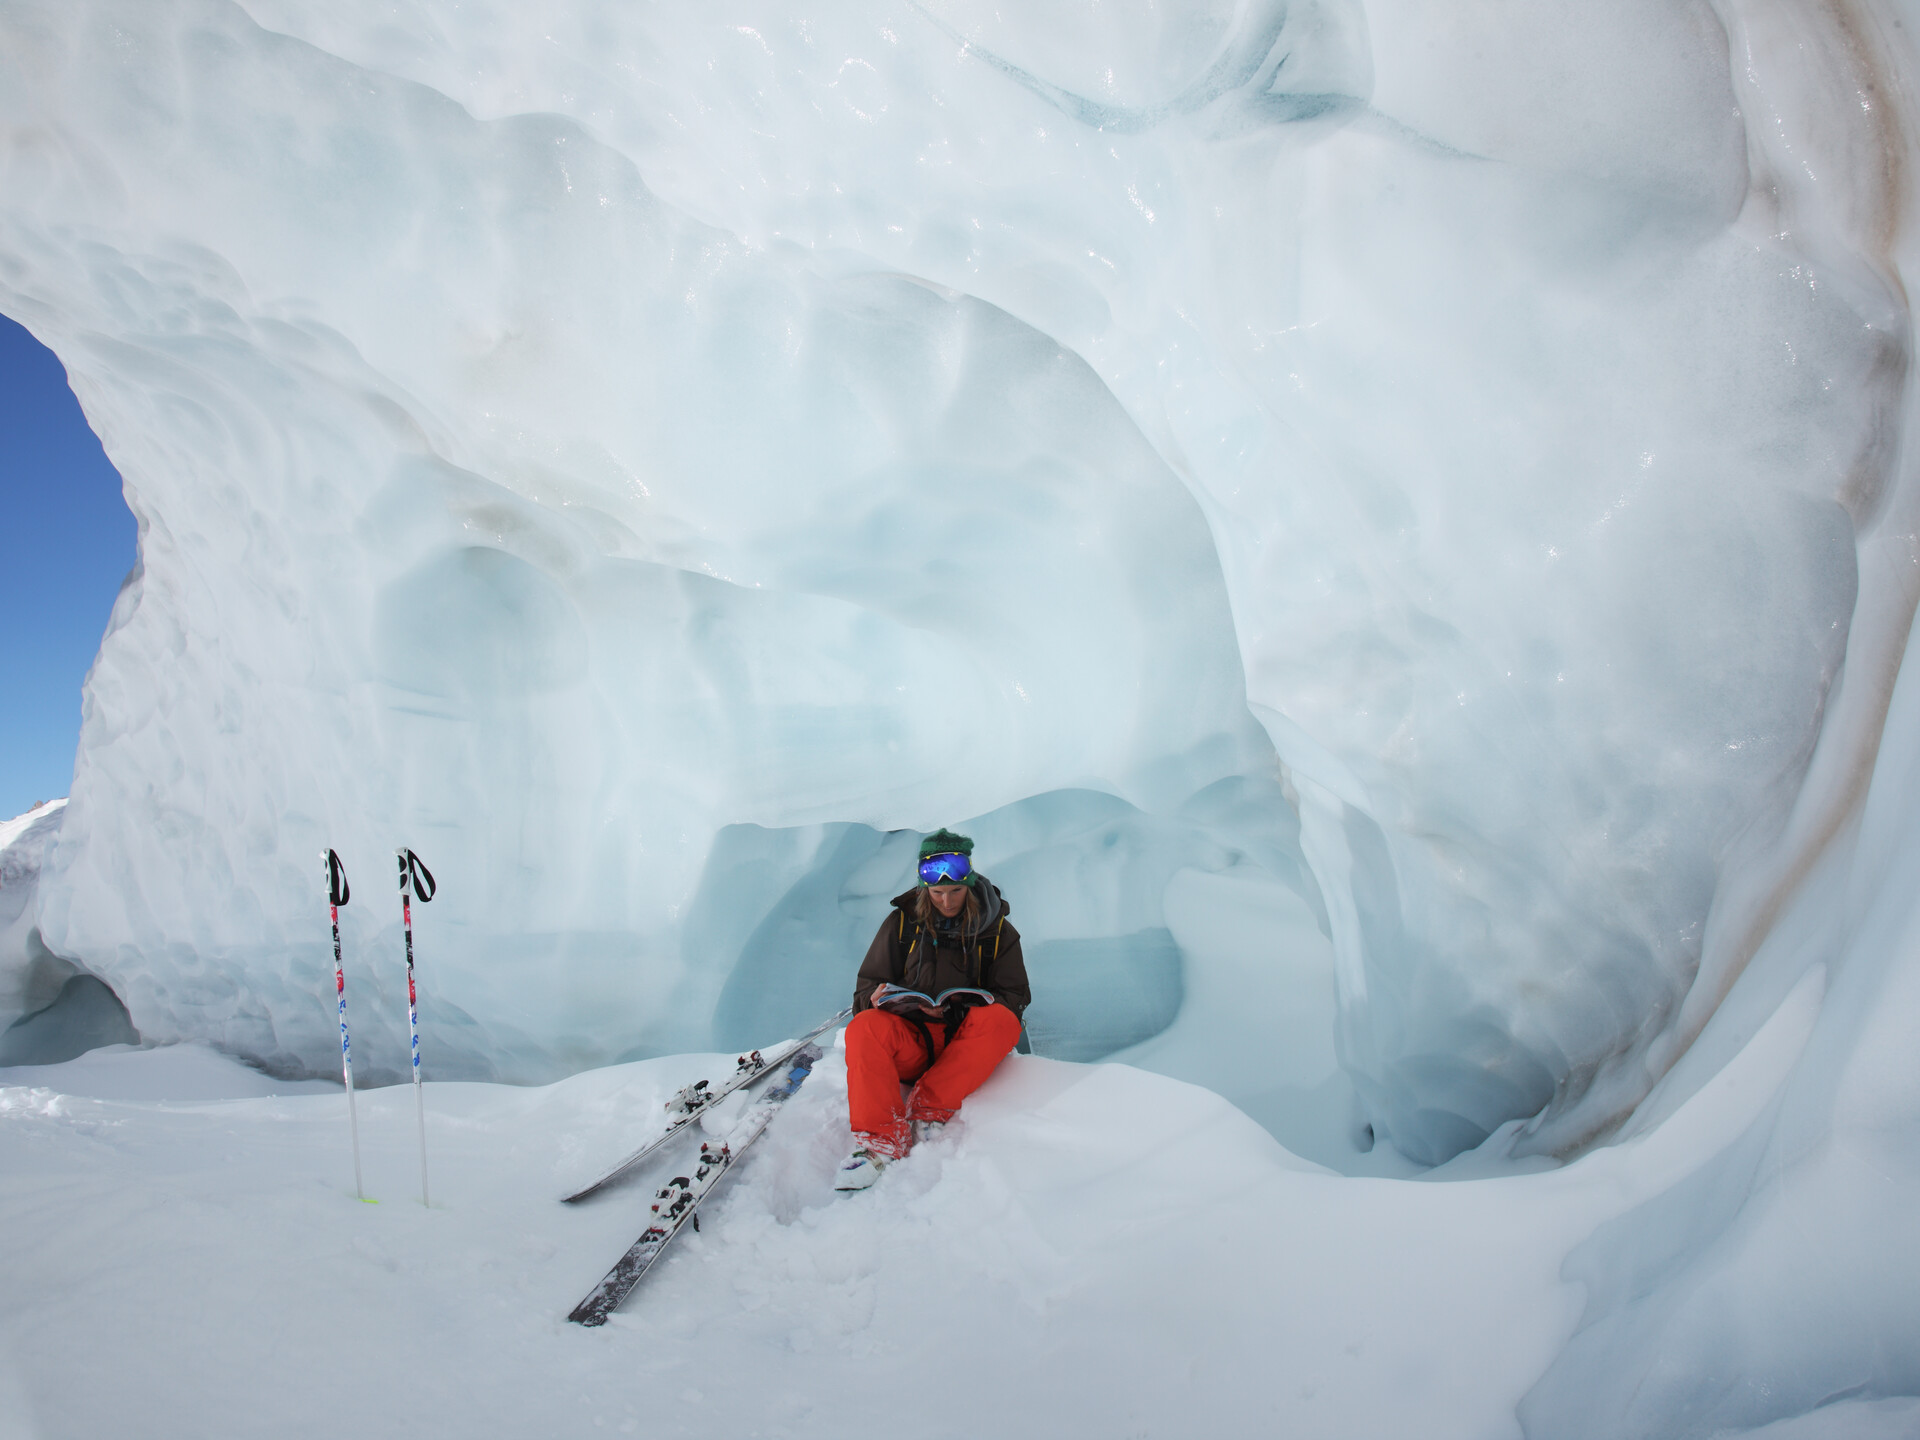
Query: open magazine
point(905, 1002)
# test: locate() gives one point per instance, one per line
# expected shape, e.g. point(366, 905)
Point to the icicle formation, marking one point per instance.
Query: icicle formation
point(415, 879)
point(337, 895)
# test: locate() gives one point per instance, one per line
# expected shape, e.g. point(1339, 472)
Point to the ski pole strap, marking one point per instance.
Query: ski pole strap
point(422, 878)
point(337, 891)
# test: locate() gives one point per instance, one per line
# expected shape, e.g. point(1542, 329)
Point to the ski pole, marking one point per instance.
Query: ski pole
point(337, 895)
point(415, 879)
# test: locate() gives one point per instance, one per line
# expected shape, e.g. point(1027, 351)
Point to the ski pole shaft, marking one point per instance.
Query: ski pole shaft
point(337, 894)
point(407, 861)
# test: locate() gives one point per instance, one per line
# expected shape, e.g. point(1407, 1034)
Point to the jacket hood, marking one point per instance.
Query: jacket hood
point(993, 905)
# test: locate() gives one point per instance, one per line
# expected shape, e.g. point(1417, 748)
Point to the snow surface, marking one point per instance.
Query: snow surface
point(1096, 1251)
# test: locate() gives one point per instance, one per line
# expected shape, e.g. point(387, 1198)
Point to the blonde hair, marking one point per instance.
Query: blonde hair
point(925, 914)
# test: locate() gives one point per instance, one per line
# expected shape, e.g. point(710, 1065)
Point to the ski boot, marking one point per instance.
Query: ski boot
point(861, 1169)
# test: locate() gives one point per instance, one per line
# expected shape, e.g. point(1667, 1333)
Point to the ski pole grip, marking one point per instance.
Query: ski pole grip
point(337, 891)
point(414, 872)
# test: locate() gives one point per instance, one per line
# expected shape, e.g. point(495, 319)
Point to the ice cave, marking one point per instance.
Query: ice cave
point(1392, 524)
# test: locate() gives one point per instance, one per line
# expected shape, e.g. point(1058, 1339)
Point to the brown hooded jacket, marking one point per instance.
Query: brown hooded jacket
point(933, 958)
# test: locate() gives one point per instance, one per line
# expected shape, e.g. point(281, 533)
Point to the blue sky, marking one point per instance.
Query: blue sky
point(66, 543)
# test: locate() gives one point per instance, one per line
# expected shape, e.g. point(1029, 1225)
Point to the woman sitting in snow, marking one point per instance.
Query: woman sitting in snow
point(947, 940)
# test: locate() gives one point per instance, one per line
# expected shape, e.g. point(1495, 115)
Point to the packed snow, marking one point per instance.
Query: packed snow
point(1092, 1251)
point(1391, 525)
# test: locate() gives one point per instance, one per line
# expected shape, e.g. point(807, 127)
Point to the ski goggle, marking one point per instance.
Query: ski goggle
point(945, 870)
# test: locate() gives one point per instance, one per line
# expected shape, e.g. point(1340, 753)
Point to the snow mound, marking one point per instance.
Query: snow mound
point(169, 1073)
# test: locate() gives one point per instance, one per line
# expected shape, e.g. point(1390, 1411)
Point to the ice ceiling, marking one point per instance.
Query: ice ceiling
point(1391, 523)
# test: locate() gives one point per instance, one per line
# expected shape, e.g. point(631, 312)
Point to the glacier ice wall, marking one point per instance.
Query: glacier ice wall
point(1431, 477)
point(1768, 1293)
point(848, 549)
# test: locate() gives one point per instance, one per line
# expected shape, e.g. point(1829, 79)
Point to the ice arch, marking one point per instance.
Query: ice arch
point(1478, 436)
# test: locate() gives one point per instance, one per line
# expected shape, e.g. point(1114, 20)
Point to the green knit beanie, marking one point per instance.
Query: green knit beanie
point(945, 842)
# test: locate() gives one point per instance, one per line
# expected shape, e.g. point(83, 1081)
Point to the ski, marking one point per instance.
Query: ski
point(678, 1201)
point(693, 1101)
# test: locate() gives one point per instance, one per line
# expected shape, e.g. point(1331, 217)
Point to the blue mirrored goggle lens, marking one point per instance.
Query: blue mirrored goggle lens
point(945, 870)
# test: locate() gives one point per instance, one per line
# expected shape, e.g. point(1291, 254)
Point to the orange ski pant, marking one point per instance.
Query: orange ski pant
point(883, 1051)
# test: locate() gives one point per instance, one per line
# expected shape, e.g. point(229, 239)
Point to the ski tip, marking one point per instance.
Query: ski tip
point(366, 1200)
